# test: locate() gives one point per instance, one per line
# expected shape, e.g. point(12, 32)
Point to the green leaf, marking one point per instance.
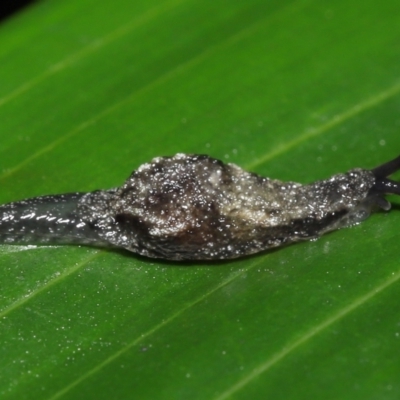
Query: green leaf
point(295, 90)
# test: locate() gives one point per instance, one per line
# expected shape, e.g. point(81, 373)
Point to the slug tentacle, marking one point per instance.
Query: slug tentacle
point(386, 186)
point(194, 207)
point(383, 185)
point(387, 169)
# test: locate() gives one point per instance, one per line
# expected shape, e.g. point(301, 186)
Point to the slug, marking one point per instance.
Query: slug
point(194, 207)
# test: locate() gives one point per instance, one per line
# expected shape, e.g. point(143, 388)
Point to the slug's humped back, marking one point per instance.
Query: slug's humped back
point(194, 207)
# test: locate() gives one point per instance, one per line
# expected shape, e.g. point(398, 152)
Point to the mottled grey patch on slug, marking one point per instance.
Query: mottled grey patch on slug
point(194, 207)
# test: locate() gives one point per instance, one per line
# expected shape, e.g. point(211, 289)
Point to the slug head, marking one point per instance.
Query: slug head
point(383, 185)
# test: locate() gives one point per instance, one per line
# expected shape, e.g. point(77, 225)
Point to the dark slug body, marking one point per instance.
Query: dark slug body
point(194, 207)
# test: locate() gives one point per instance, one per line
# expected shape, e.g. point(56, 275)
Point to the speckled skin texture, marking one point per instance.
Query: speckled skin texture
point(194, 207)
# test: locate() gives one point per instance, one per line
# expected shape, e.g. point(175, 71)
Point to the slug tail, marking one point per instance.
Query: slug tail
point(45, 220)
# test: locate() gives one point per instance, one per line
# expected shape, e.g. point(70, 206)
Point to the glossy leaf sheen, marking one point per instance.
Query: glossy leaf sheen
point(295, 90)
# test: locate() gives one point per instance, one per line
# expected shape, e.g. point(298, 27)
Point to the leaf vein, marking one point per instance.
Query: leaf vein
point(338, 119)
point(182, 67)
point(21, 301)
point(292, 347)
point(89, 49)
point(156, 328)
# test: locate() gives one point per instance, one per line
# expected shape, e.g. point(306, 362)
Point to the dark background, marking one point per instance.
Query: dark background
point(10, 7)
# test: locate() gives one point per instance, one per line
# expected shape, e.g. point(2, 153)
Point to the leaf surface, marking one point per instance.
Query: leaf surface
point(295, 90)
